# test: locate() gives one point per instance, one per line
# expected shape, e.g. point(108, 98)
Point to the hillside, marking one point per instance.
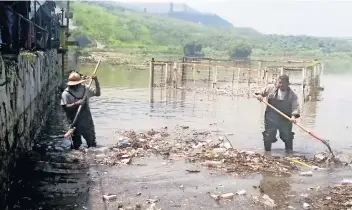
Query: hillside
point(155, 8)
point(174, 10)
point(119, 28)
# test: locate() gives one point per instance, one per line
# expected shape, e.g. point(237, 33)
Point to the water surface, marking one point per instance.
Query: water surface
point(125, 104)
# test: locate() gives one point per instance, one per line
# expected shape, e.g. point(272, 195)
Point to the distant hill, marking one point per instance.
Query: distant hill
point(117, 27)
point(156, 8)
point(211, 20)
point(173, 10)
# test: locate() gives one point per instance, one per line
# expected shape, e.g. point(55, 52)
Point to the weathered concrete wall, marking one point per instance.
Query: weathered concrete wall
point(28, 90)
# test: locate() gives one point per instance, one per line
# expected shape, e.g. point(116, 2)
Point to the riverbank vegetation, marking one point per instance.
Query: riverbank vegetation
point(112, 28)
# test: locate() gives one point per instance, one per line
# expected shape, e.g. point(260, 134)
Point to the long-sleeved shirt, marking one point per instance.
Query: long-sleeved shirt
point(270, 92)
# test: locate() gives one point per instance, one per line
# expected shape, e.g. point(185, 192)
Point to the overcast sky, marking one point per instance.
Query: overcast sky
point(314, 17)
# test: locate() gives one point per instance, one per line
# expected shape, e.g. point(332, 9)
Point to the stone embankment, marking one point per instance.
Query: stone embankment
point(28, 89)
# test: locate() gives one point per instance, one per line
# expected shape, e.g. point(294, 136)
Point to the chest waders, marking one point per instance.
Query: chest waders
point(84, 124)
point(273, 121)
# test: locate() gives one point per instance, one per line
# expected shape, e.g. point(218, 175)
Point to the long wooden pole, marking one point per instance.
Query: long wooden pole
point(72, 127)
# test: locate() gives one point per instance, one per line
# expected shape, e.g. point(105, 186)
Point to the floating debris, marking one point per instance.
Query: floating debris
point(337, 197)
point(306, 206)
point(346, 181)
point(204, 147)
point(266, 200)
point(192, 171)
point(306, 173)
point(109, 197)
point(227, 196)
point(241, 192)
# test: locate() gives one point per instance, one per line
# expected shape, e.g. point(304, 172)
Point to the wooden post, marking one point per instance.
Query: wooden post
point(166, 73)
point(282, 71)
point(259, 73)
point(209, 70)
point(166, 81)
point(162, 73)
point(266, 76)
point(151, 79)
point(233, 76)
point(303, 84)
point(183, 72)
point(216, 74)
point(194, 74)
point(238, 81)
point(321, 75)
point(213, 70)
point(314, 89)
point(174, 72)
point(249, 81)
point(161, 69)
point(177, 75)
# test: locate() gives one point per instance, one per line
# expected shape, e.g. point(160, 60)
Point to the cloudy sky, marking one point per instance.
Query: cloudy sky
point(310, 17)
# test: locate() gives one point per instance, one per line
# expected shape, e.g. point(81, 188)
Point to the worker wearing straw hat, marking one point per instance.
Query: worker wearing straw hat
point(71, 99)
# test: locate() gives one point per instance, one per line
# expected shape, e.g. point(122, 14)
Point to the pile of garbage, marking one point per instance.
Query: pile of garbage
point(338, 197)
point(132, 144)
point(200, 147)
point(244, 162)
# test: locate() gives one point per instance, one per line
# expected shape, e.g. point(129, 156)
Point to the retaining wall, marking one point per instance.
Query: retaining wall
point(28, 90)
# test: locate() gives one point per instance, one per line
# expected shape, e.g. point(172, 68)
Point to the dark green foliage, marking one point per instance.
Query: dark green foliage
point(193, 50)
point(240, 50)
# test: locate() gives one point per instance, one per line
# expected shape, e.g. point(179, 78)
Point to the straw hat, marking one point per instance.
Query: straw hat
point(74, 79)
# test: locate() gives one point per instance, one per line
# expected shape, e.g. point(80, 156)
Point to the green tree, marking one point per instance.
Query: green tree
point(240, 50)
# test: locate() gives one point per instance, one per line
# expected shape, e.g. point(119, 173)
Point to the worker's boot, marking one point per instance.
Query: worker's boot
point(289, 143)
point(267, 142)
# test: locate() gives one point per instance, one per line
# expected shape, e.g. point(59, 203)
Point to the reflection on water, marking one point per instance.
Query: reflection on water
point(277, 188)
point(129, 108)
point(113, 76)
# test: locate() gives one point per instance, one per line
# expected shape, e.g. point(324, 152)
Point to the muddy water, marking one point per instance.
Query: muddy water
point(125, 104)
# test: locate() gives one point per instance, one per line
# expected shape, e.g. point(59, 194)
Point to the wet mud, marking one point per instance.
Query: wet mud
point(52, 176)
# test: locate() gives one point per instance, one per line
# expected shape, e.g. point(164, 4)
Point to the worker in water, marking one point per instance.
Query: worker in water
point(71, 99)
point(284, 99)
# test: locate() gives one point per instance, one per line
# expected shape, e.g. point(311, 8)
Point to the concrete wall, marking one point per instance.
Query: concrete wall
point(28, 90)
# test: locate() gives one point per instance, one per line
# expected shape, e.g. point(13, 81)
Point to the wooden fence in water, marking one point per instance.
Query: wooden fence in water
point(236, 78)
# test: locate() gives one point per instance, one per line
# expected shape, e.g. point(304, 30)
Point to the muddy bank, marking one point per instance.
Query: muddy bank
point(51, 176)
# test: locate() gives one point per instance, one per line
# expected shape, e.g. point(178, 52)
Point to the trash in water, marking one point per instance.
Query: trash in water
point(346, 181)
point(266, 200)
point(204, 147)
point(305, 195)
point(152, 201)
point(306, 206)
point(192, 171)
point(227, 196)
point(306, 173)
point(126, 161)
point(152, 207)
point(109, 197)
point(241, 192)
point(215, 197)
